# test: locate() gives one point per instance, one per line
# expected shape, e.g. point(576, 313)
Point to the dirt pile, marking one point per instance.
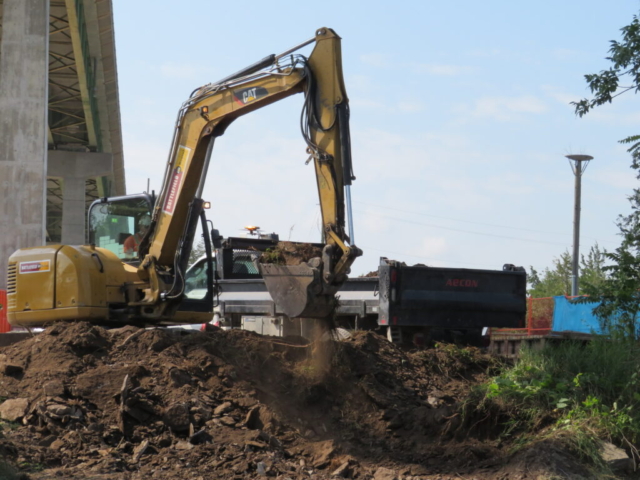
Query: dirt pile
point(291, 253)
point(84, 402)
point(371, 274)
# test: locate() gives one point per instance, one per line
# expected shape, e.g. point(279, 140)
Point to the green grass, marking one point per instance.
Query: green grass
point(581, 393)
point(31, 467)
point(6, 425)
point(272, 256)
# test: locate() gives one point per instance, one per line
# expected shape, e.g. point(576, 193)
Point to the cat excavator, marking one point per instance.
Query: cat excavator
point(101, 283)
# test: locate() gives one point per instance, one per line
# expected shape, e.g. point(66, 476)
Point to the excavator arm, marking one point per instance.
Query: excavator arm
point(304, 290)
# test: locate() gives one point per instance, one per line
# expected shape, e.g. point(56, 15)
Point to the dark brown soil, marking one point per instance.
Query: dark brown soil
point(131, 403)
point(291, 253)
point(371, 274)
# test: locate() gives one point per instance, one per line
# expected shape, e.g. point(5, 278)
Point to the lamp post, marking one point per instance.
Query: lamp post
point(578, 164)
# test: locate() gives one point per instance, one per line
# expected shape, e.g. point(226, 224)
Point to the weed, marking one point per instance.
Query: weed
point(462, 354)
point(6, 425)
point(584, 393)
point(32, 467)
point(273, 256)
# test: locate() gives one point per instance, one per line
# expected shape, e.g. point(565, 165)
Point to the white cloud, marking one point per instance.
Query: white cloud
point(508, 108)
point(626, 181)
point(562, 97)
point(611, 116)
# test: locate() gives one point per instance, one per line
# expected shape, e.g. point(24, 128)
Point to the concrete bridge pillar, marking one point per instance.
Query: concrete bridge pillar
point(24, 51)
point(75, 168)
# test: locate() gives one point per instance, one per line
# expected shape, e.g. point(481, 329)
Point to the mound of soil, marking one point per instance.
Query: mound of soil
point(371, 274)
point(291, 253)
point(129, 403)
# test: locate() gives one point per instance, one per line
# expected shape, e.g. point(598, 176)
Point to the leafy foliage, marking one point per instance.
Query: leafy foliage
point(620, 304)
point(625, 57)
point(579, 389)
point(557, 281)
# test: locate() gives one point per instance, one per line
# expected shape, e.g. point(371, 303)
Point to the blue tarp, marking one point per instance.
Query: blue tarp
point(576, 317)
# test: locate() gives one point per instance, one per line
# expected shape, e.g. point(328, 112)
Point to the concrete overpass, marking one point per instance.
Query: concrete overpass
point(60, 136)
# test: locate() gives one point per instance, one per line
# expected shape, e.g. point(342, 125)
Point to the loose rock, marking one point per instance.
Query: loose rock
point(14, 409)
point(223, 408)
point(176, 417)
point(383, 473)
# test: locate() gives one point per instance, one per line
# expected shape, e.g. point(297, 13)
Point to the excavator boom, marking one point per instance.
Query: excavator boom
point(299, 290)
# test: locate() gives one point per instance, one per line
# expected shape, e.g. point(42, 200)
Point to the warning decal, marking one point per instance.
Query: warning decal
point(176, 179)
point(35, 267)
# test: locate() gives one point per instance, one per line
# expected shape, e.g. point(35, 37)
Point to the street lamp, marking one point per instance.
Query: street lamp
point(578, 164)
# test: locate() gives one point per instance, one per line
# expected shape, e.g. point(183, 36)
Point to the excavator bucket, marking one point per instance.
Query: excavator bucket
point(297, 290)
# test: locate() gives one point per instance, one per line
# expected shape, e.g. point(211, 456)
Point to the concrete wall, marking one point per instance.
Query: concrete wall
point(23, 126)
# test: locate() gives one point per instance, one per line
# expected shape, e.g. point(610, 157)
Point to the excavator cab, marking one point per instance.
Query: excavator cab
point(119, 224)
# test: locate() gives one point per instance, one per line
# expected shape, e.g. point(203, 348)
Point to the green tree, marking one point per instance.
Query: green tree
point(625, 59)
point(551, 282)
point(557, 281)
point(620, 303)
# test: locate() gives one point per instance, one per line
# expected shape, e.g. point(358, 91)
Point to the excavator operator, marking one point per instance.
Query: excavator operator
point(132, 242)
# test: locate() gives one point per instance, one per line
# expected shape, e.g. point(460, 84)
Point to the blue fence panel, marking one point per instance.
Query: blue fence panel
point(575, 317)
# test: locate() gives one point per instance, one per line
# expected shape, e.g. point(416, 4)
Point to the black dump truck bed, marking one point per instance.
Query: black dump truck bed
point(451, 297)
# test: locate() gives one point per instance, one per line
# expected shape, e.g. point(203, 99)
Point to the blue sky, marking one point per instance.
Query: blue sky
point(460, 121)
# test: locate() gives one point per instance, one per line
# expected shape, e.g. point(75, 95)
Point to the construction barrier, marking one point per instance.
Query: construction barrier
point(540, 315)
point(539, 318)
point(575, 317)
point(4, 323)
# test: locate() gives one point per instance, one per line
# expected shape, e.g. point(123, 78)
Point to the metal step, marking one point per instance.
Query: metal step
point(394, 335)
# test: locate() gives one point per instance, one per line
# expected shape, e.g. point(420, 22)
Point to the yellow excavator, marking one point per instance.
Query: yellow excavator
point(133, 269)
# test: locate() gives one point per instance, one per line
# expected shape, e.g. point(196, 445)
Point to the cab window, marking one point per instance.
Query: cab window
point(196, 280)
point(119, 225)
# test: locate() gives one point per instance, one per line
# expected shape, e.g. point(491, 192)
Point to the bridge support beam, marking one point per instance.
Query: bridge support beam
point(24, 50)
point(75, 168)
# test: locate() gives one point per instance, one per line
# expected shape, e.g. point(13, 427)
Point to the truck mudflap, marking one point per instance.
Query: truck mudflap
point(297, 290)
